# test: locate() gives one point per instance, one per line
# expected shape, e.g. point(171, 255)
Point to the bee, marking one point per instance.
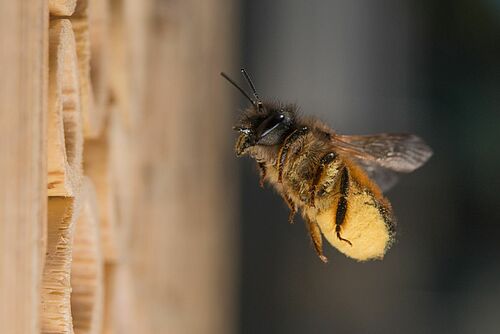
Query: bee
point(336, 181)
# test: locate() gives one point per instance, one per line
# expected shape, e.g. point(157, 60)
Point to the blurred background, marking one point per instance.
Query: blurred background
point(426, 67)
point(195, 245)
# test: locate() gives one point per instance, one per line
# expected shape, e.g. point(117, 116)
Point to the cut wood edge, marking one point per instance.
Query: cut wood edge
point(65, 139)
point(92, 63)
point(72, 281)
point(62, 7)
point(96, 165)
point(87, 267)
point(56, 281)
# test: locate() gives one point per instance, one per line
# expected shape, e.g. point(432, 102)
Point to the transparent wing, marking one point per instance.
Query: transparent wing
point(383, 177)
point(398, 152)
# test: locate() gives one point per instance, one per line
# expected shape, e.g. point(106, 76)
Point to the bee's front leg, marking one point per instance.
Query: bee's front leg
point(262, 172)
point(292, 206)
point(283, 151)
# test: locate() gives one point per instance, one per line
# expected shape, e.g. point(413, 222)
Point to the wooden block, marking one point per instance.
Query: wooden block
point(65, 139)
point(96, 166)
point(87, 267)
point(62, 7)
point(23, 168)
point(90, 27)
point(186, 175)
point(56, 281)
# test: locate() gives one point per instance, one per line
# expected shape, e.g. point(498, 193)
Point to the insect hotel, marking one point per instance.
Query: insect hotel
point(107, 222)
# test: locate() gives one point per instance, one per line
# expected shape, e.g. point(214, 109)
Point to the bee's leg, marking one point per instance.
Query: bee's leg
point(262, 172)
point(342, 204)
point(291, 205)
point(283, 152)
point(327, 159)
point(316, 238)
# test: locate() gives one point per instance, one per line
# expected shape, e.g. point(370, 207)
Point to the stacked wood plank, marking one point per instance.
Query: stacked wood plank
point(103, 129)
point(23, 168)
point(72, 286)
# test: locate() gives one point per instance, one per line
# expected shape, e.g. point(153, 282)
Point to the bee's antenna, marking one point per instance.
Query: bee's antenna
point(238, 87)
point(250, 83)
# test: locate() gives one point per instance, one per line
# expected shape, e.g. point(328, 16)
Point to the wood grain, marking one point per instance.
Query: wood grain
point(23, 169)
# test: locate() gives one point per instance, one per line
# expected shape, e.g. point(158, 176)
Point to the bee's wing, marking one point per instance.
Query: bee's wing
point(398, 152)
point(383, 177)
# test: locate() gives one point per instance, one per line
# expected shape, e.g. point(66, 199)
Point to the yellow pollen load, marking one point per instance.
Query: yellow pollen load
point(364, 226)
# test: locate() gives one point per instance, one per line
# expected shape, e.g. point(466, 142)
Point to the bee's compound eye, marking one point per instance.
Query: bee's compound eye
point(270, 124)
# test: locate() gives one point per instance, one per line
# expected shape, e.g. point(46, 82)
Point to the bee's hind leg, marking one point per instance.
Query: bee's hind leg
point(342, 204)
point(316, 238)
point(337, 231)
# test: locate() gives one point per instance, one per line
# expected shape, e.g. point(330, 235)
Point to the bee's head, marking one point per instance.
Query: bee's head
point(265, 124)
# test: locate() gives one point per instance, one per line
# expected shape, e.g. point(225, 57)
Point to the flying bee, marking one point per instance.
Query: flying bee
point(335, 180)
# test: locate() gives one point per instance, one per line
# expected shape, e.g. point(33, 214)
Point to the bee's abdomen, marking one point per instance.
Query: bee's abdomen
point(361, 214)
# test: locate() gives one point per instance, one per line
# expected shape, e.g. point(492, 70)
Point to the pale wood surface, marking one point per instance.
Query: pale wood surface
point(65, 140)
point(96, 166)
point(183, 231)
point(87, 266)
point(23, 170)
point(62, 7)
point(130, 22)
